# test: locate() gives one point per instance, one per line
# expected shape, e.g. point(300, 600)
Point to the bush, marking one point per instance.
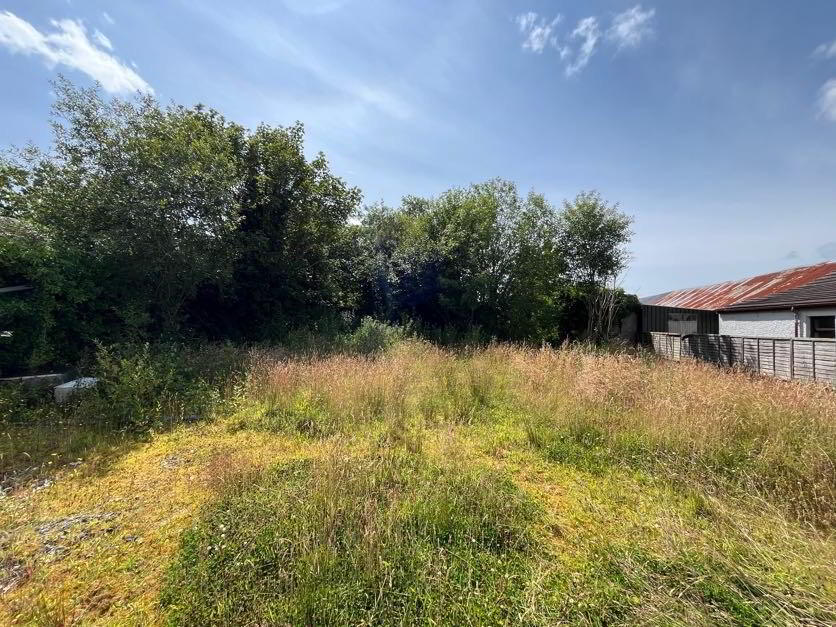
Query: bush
point(373, 336)
point(142, 387)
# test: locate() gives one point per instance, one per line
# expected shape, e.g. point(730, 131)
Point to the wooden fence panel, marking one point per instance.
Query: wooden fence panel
point(802, 358)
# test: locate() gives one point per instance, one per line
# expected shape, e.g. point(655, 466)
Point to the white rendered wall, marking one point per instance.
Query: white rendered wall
point(772, 323)
point(758, 323)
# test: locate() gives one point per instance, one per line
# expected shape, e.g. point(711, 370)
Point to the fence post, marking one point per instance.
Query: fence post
point(813, 344)
point(774, 371)
point(758, 340)
point(792, 359)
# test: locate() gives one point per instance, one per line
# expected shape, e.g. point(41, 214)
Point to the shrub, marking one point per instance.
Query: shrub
point(142, 387)
point(373, 336)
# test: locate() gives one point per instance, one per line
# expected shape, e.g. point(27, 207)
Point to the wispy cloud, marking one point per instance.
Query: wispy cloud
point(538, 32)
point(265, 35)
point(70, 46)
point(825, 51)
point(827, 92)
point(629, 28)
point(588, 32)
point(827, 100)
point(102, 39)
point(106, 17)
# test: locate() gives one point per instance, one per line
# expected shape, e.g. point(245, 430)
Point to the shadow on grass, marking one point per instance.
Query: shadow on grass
point(35, 452)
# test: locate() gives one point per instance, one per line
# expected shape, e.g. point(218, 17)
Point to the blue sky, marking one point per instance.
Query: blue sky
point(713, 123)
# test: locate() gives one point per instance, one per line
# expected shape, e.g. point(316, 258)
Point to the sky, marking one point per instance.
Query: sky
point(712, 123)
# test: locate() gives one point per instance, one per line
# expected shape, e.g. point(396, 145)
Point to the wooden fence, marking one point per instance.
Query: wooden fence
point(804, 358)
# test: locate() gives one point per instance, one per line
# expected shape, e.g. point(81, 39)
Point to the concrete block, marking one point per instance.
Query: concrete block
point(38, 380)
point(65, 390)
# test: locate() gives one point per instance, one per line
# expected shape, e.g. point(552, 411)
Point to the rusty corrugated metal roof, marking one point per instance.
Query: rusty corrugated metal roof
point(738, 294)
point(819, 292)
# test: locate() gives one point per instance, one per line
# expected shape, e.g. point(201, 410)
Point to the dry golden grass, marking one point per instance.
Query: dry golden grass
point(675, 479)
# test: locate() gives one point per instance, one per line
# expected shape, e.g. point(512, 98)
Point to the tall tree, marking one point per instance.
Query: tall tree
point(480, 256)
point(595, 238)
point(292, 239)
point(145, 198)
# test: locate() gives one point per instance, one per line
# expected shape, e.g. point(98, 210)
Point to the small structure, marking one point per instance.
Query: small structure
point(65, 390)
point(797, 302)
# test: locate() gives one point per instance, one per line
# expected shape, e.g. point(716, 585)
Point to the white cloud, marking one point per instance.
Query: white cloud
point(628, 30)
point(631, 27)
point(107, 18)
point(264, 35)
point(589, 33)
point(538, 32)
point(69, 45)
point(102, 39)
point(827, 100)
point(825, 51)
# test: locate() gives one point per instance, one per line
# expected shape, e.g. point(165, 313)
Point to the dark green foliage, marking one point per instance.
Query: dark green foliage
point(148, 223)
point(481, 257)
point(383, 539)
point(142, 387)
point(27, 317)
point(486, 258)
point(293, 246)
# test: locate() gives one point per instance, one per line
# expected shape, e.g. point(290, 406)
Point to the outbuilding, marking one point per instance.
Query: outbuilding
point(797, 302)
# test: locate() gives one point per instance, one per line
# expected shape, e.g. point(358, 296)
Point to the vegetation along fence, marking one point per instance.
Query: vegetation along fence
point(804, 358)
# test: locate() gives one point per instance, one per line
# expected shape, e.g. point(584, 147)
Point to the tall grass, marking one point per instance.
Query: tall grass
point(382, 538)
point(485, 485)
point(689, 421)
point(692, 420)
point(380, 531)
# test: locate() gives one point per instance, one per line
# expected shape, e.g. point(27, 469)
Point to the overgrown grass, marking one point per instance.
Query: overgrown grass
point(384, 538)
point(411, 485)
point(692, 422)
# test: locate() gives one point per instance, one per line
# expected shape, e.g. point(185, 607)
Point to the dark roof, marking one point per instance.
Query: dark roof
point(804, 286)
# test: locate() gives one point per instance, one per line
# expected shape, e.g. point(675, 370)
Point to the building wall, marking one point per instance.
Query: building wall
point(804, 315)
point(770, 323)
point(655, 318)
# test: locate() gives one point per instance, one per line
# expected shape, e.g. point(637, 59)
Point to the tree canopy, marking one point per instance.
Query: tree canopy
point(142, 221)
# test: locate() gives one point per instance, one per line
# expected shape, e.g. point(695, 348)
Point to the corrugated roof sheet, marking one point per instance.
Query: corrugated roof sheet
point(756, 290)
point(821, 291)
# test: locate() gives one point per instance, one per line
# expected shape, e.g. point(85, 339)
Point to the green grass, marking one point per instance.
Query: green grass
point(384, 538)
point(412, 486)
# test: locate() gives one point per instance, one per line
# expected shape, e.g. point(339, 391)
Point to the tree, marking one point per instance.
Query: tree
point(159, 222)
point(294, 251)
point(145, 199)
point(595, 236)
point(480, 256)
point(27, 319)
point(595, 239)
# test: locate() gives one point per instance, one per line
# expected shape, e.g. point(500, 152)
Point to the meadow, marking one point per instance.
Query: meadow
point(396, 482)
